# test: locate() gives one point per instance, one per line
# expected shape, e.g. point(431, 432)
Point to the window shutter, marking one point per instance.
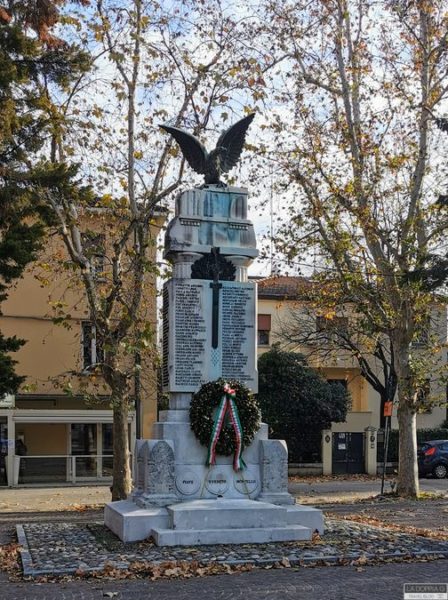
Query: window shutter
point(264, 322)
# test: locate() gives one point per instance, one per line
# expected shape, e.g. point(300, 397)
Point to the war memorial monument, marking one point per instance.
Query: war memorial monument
point(198, 481)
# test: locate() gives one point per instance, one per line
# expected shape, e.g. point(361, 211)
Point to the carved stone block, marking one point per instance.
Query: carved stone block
point(274, 472)
point(158, 479)
point(139, 471)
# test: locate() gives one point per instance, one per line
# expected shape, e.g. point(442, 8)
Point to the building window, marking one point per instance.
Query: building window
point(264, 330)
point(330, 329)
point(424, 397)
point(94, 248)
point(263, 337)
point(342, 382)
point(92, 350)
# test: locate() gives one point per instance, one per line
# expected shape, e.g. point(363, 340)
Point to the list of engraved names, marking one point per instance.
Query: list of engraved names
point(237, 332)
point(190, 335)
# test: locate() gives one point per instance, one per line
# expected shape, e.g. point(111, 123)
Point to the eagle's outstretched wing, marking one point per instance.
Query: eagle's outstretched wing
point(194, 152)
point(232, 141)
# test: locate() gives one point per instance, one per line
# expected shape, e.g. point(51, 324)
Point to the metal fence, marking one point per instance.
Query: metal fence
point(58, 469)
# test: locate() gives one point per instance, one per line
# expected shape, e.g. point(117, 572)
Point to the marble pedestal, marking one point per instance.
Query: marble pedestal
point(177, 500)
point(219, 521)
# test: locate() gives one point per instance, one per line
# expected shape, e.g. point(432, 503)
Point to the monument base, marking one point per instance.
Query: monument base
point(219, 521)
point(184, 504)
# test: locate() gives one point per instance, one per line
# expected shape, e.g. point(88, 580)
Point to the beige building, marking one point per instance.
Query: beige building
point(66, 433)
point(349, 446)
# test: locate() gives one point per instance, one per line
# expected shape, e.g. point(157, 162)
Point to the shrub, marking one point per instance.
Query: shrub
point(298, 403)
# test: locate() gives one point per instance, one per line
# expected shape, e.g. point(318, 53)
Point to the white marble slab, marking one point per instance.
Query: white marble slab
point(189, 358)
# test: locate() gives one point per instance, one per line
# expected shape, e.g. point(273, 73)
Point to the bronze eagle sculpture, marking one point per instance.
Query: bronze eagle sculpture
point(220, 160)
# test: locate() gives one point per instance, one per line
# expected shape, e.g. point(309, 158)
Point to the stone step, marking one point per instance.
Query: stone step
point(253, 535)
point(132, 523)
point(224, 513)
point(310, 517)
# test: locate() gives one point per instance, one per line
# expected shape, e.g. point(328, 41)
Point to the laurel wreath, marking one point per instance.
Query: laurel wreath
point(202, 413)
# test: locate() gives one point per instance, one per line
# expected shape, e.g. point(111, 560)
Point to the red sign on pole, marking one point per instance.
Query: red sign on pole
point(388, 409)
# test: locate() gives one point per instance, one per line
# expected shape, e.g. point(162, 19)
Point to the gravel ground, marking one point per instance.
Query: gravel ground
point(427, 514)
point(57, 548)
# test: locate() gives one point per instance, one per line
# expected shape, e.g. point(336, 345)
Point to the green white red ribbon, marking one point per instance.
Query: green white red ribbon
point(227, 406)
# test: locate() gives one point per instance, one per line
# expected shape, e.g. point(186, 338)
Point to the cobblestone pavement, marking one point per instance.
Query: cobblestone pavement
point(383, 582)
point(8, 521)
point(57, 548)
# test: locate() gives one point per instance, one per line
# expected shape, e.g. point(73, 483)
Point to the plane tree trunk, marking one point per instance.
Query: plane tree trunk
point(407, 484)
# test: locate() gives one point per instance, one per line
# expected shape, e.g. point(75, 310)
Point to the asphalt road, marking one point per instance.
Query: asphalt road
point(384, 582)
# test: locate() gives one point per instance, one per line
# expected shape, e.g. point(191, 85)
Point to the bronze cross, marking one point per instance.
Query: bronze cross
point(216, 286)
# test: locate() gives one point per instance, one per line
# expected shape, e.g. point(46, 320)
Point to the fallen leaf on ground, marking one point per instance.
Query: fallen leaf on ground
point(375, 522)
point(9, 558)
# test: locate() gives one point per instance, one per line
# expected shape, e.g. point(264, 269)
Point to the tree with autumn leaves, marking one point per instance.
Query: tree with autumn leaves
point(29, 55)
point(151, 64)
point(352, 97)
point(364, 158)
point(105, 167)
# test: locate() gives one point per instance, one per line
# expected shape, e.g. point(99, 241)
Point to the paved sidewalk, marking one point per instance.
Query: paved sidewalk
point(383, 582)
point(308, 491)
point(336, 489)
point(52, 499)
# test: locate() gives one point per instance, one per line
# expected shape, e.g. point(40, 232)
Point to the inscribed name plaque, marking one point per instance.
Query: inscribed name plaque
point(246, 481)
point(187, 482)
point(217, 482)
point(190, 358)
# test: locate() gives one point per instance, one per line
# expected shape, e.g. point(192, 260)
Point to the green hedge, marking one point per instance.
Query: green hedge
point(423, 435)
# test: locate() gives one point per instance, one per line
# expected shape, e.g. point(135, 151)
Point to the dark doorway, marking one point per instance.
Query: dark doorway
point(348, 453)
point(107, 450)
point(83, 436)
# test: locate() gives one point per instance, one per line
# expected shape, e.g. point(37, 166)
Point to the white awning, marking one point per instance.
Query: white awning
point(62, 416)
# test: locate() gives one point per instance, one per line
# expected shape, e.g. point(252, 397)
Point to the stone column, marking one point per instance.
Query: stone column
point(241, 264)
point(327, 452)
point(180, 400)
point(370, 450)
point(274, 472)
point(182, 264)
